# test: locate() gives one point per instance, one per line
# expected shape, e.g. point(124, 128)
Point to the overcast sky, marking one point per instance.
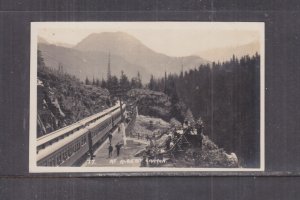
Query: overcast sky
point(170, 38)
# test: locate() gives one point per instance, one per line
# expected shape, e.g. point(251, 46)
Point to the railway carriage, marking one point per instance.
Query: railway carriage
point(66, 146)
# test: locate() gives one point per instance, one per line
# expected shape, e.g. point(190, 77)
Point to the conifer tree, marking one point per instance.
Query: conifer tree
point(87, 81)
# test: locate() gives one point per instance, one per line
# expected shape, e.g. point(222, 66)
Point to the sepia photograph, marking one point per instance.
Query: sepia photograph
point(147, 97)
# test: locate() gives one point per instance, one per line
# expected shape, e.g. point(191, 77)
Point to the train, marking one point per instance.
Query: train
point(66, 146)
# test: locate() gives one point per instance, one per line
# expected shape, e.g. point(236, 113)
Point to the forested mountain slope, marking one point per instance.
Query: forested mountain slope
point(227, 97)
point(62, 99)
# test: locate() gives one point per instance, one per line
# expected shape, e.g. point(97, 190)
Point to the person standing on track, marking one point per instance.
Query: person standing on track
point(110, 150)
point(118, 147)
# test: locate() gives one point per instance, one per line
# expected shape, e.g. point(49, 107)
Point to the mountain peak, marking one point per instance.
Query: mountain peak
point(225, 53)
point(105, 38)
point(42, 40)
point(134, 51)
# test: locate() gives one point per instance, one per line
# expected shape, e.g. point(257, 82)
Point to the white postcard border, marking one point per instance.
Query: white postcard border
point(33, 168)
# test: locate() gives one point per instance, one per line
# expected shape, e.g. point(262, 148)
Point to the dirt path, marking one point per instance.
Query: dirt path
point(125, 159)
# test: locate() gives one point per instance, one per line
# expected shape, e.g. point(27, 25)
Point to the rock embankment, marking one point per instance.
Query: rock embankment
point(62, 100)
point(152, 103)
point(208, 156)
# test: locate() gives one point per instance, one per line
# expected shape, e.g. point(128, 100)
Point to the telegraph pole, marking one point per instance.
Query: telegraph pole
point(119, 93)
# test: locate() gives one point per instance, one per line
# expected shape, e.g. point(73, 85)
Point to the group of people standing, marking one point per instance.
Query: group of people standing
point(195, 130)
point(110, 148)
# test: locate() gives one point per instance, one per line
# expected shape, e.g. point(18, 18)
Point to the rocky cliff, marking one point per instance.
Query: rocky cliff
point(152, 103)
point(62, 100)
